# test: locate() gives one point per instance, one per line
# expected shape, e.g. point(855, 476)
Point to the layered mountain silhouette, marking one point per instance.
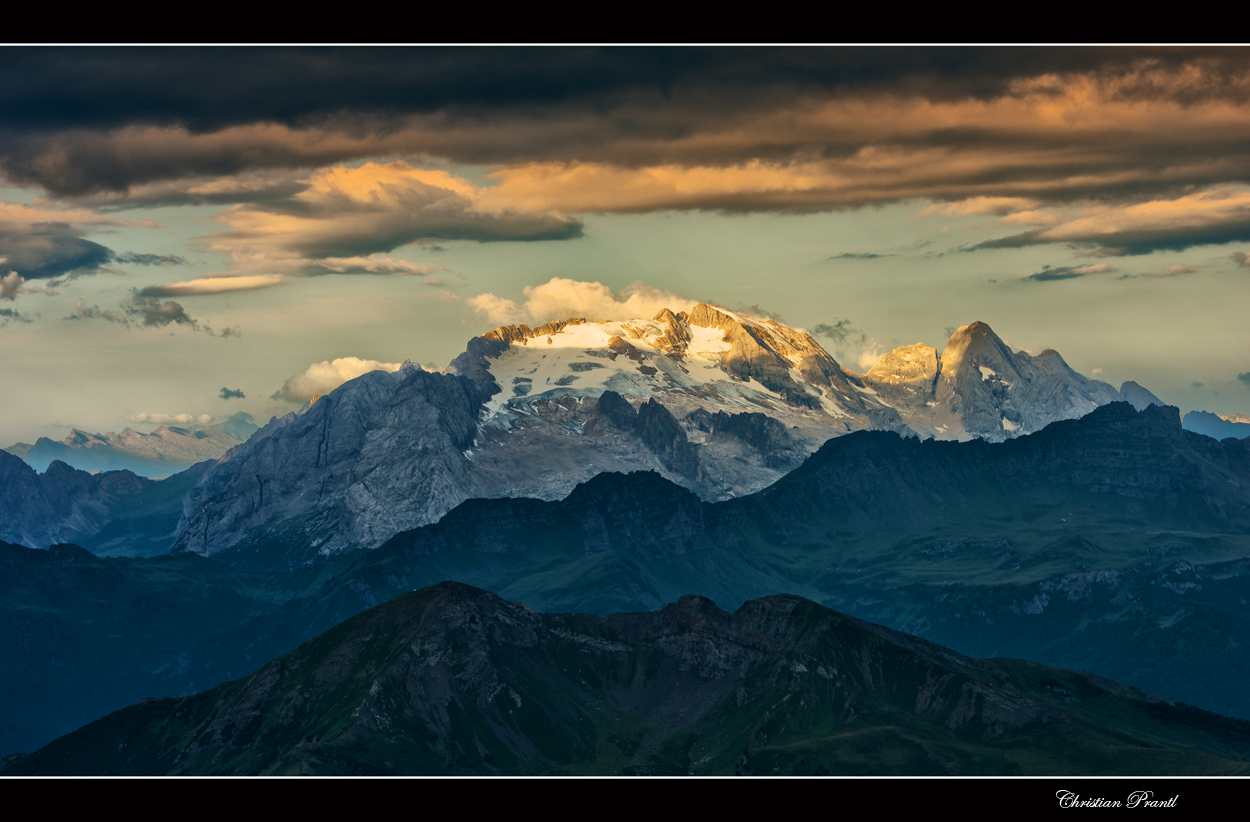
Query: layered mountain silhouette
point(454, 680)
point(1115, 543)
point(1213, 425)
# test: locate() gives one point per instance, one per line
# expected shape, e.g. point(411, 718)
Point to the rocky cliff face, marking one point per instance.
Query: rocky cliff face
point(452, 679)
point(978, 387)
point(380, 453)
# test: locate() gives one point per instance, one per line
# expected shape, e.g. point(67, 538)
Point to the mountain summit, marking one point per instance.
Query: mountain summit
point(979, 387)
point(716, 401)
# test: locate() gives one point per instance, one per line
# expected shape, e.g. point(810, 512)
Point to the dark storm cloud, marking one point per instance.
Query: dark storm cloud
point(90, 121)
point(210, 88)
point(45, 250)
point(1244, 379)
point(850, 256)
point(231, 393)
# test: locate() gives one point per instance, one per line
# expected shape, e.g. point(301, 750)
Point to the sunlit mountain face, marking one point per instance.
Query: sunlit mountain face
point(949, 339)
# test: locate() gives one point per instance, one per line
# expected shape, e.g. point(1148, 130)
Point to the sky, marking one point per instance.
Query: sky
point(186, 233)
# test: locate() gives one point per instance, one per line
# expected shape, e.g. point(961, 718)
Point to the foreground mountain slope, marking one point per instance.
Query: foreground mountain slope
point(452, 679)
point(83, 635)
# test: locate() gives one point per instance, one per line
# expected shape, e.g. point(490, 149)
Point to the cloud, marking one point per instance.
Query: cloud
point(231, 393)
point(1173, 270)
point(851, 344)
point(41, 243)
point(838, 331)
point(148, 312)
point(46, 250)
point(8, 315)
point(1170, 271)
point(213, 285)
point(375, 208)
point(1244, 379)
point(324, 377)
point(1195, 384)
point(84, 312)
point(347, 220)
point(131, 258)
point(979, 205)
point(243, 187)
point(1031, 217)
point(165, 419)
point(10, 284)
point(559, 299)
point(865, 256)
point(1220, 214)
point(151, 312)
point(633, 129)
point(1069, 272)
point(1100, 252)
point(1241, 258)
point(758, 312)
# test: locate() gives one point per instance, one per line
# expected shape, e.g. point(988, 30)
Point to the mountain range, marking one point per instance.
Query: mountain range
point(988, 499)
point(1115, 543)
point(165, 451)
point(717, 402)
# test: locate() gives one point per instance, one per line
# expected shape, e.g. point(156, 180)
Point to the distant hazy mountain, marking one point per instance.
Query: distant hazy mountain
point(715, 401)
point(109, 512)
point(455, 680)
point(1220, 427)
point(167, 450)
point(1138, 397)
